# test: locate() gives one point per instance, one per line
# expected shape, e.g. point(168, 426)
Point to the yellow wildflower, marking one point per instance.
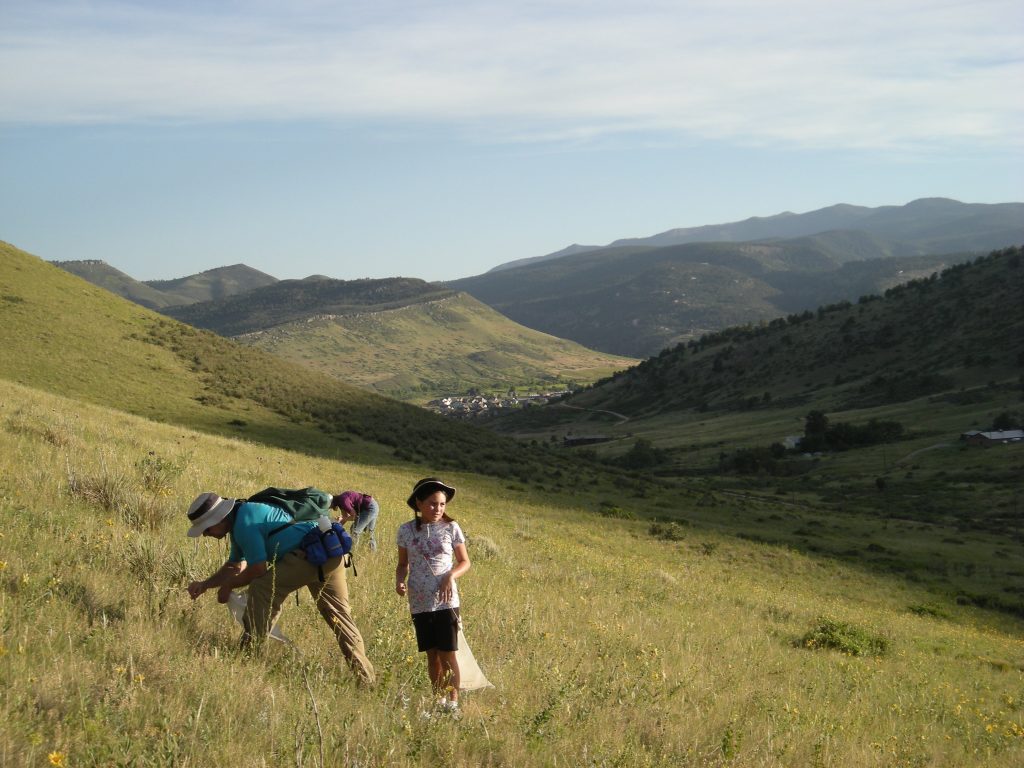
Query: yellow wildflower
point(56, 758)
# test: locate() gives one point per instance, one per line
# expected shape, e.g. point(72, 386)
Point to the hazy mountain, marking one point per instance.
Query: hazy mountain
point(926, 226)
point(637, 300)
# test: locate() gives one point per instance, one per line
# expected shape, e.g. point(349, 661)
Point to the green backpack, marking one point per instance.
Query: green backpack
point(303, 504)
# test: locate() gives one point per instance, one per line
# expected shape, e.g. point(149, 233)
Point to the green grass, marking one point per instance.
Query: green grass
point(606, 645)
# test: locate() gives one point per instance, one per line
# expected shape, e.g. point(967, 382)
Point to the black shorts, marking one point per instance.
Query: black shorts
point(437, 630)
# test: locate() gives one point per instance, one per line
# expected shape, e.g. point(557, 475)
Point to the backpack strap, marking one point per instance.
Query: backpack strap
point(281, 528)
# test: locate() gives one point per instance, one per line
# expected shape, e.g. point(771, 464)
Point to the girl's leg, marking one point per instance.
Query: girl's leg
point(448, 674)
point(434, 670)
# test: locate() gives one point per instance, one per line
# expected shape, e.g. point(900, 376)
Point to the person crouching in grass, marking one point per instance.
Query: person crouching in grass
point(431, 556)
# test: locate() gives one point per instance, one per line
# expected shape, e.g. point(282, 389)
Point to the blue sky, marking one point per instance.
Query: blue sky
point(439, 139)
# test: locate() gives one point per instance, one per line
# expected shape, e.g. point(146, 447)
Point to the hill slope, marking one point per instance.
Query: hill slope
point(401, 336)
point(891, 383)
point(431, 348)
point(944, 332)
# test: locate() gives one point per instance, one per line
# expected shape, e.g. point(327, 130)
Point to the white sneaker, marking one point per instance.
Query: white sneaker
point(450, 707)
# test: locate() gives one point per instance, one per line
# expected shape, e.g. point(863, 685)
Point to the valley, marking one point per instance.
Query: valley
point(788, 603)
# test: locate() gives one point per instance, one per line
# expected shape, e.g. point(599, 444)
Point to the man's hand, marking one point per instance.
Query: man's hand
point(196, 588)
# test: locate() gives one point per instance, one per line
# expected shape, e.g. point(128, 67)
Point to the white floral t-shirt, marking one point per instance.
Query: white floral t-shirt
point(431, 552)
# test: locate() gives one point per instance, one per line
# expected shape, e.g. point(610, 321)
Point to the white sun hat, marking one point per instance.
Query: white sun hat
point(207, 509)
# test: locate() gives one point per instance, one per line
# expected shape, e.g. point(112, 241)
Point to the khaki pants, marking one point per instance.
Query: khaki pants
point(290, 573)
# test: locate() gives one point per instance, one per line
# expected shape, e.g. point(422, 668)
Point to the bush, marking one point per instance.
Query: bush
point(483, 547)
point(840, 636)
point(928, 609)
point(667, 531)
point(611, 510)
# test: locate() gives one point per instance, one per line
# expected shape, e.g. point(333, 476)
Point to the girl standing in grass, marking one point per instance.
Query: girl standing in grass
point(431, 556)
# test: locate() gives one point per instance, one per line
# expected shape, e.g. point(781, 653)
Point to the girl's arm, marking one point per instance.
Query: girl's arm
point(401, 570)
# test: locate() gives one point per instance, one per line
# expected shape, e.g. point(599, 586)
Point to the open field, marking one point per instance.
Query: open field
point(607, 645)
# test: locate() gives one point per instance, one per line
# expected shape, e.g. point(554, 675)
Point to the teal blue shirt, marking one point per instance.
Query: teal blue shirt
point(250, 540)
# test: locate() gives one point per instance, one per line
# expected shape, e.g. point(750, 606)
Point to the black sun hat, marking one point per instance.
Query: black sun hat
point(429, 484)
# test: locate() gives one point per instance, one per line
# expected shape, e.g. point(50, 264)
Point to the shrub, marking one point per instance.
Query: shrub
point(159, 474)
point(928, 609)
point(483, 547)
point(844, 637)
point(672, 531)
point(608, 509)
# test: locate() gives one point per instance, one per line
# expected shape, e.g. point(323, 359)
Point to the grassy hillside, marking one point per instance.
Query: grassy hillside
point(61, 334)
point(608, 644)
point(639, 300)
point(937, 357)
point(436, 347)
point(400, 336)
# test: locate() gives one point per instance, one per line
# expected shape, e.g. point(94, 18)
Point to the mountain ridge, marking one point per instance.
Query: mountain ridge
point(789, 225)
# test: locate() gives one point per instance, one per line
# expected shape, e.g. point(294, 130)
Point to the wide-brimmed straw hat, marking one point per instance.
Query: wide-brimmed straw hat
point(429, 484)
point(207, 509)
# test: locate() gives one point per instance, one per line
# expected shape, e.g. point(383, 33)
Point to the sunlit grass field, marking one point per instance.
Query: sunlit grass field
point(606, 645)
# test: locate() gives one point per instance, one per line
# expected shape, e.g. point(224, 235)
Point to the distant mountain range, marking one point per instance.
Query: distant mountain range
point(925, 226)
point(634, 297)
point(638, 297)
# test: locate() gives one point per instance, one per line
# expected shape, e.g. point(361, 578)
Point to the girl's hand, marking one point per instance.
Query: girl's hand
point(444, 590)
point(400, 588)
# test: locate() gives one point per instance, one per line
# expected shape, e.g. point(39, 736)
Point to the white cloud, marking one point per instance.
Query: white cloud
point(898, 73)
